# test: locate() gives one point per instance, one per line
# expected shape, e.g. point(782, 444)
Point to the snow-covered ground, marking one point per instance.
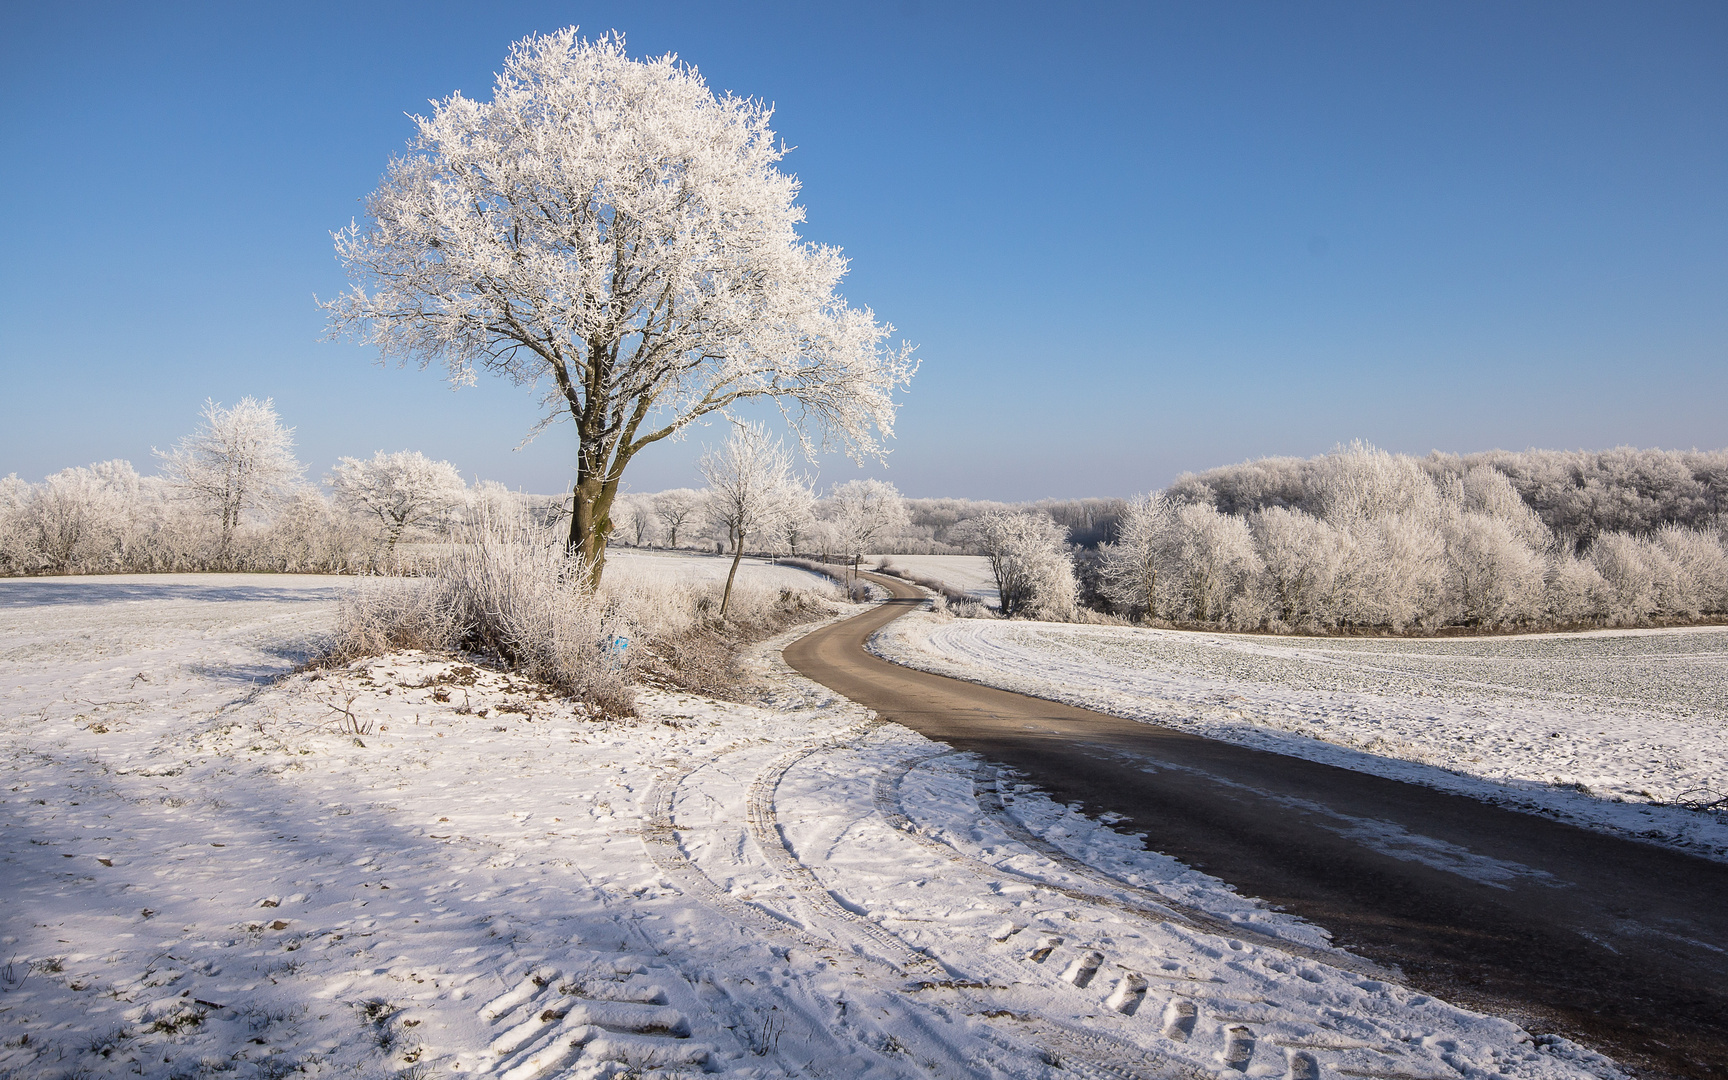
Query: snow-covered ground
point(696, 567)
point(416, 866)
point(1593, 727)
point(969, 573)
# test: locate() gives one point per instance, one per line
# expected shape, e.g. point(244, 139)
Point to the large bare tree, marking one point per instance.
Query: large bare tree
point(612, 233)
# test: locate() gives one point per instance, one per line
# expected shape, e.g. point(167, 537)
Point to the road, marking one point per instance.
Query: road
point(1618, 945)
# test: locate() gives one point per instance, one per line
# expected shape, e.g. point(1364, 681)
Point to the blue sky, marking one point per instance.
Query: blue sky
point(1130, 240)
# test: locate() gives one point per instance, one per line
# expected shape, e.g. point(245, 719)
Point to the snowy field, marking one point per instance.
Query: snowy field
point(1592, 727)
point(694, 567)
point(969, 573)
point(416, 867)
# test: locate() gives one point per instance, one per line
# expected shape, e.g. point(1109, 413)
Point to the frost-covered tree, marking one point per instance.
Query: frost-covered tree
point(401, 490)
point(241, 459)
point(750, 487)
point(640, 521)
point(1134, 568)
point(610, 231)
point(676, 508)
point(1217, 559)
point(864, 513)
point(1029, 557)
point(1493, 575)
point(1301, 560)
point(80, 519)
point(798, 524)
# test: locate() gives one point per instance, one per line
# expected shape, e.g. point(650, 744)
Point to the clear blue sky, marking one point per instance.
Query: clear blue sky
point(1130, 240)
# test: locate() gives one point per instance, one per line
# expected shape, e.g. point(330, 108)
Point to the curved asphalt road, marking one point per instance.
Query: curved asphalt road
point(1619, 945)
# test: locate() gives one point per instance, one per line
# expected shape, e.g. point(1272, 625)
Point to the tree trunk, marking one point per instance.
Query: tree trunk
point(591, 525)
point(737, 557)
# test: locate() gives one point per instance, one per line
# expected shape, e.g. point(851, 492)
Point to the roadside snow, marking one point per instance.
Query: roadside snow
point(418, 866)
point(1599, 728)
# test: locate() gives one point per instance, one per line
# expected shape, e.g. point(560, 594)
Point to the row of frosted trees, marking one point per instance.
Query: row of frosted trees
point(1364, 538)
point(232, 496)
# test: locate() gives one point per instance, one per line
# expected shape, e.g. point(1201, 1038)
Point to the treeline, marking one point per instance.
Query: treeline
point(1364, 538)
point(232, 496)
point(1577, 493)
point(944, 526)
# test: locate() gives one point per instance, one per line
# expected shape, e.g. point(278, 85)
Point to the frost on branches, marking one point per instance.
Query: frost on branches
point(241, 459)
point(751, 490)
point(612, 233)
point(402, 490)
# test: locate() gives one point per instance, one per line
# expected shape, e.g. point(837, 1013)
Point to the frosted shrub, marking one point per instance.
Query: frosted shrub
point(515, 594)
point(1631, 583)
point(15, 549)
point(1393, 573)
point(1574, 590)
point(1135, 571)
point(384, 614)
point(507, 590)
point(78, 520)
point(1700, 574)
point(306, 536)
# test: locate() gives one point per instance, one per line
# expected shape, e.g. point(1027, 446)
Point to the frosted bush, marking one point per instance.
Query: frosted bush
point(1574, 590)
point(378, 615)
point(508, 590)
point(1700, 572)
point(1217, 559)
point(517, 595)
point(1135, 571)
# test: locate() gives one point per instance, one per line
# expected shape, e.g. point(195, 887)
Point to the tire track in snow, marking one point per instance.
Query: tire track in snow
point(1151, 906)
point(1089, 1053)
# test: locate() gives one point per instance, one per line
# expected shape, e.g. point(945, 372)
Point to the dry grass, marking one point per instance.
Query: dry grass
point(508, 592)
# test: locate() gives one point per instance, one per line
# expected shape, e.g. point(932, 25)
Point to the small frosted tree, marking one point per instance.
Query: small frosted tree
point(640, 520)
point(1492, 576)
point(241, 459)
point(749, 489)
point(1301, 560)
point(675, 509)
point(864, 513)
point(1029, 558)
point(798, 518)
point(1134, 568)
point(1217, 557)
point(611, 232)
point(80, 519)
point(401, 490)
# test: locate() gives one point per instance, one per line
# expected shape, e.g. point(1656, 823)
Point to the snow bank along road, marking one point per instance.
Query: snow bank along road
point(1620, 943)
point(417, 867)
